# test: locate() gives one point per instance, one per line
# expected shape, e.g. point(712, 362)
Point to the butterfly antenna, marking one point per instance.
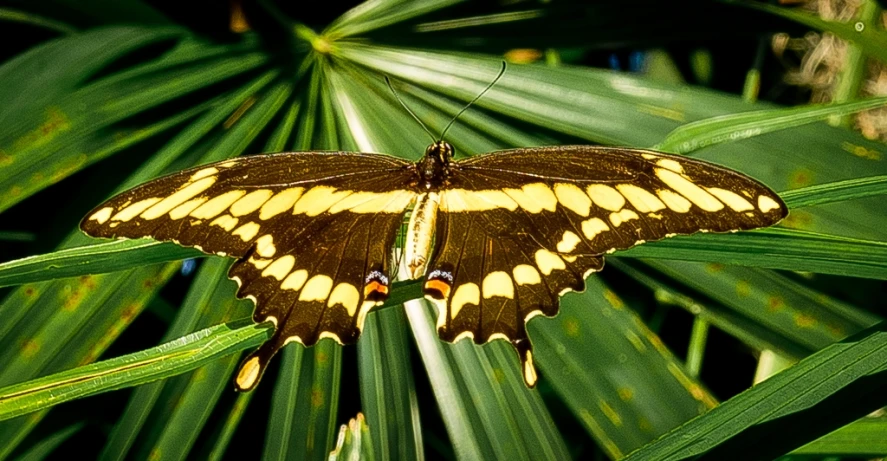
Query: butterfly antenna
point(396, 96)
point(501, 73)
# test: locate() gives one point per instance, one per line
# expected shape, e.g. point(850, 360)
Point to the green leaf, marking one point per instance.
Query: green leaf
point(775, 249)
point(374, 15)
point(736, 127)
point(74, 136)
point(81, 55)
point(862, 438)
point(305, 400)
point(762, 309)
point(170, 359)
point(387, 390)
point(837, 191)
point(840, 383)
point(92, 259)
point(209, 302)
point(615, 375)
point(13, 236)
point(488, 411)
point(9, 14)
point(354, 442)
point(230, 426)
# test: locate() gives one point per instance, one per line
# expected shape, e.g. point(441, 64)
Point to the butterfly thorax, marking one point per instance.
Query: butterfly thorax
point(434, 167)
point(434, 172)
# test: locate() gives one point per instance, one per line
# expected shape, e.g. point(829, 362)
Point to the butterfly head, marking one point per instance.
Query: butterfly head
point(434, 166)
point(441, 151)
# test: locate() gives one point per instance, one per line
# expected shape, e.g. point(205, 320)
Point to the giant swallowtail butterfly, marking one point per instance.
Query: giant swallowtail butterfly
point(512, 231)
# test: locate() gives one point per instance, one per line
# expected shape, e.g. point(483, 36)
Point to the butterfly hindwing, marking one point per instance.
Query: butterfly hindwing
point(488, 284)
point(550, 214)
point(319, 290)
point(312, 232)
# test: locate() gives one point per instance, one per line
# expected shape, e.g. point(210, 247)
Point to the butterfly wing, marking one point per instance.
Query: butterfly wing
point(312, 233)
point(517, 229)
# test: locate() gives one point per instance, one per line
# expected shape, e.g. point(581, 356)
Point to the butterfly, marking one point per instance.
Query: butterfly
point(498, 237)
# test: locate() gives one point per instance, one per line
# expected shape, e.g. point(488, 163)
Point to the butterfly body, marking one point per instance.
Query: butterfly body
point(498, 237)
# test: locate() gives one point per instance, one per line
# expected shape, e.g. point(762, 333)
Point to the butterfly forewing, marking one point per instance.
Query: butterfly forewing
point(520, 228)
point(312, 232)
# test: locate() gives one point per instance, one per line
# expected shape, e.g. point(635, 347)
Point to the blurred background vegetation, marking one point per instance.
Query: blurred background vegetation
point(100, 96)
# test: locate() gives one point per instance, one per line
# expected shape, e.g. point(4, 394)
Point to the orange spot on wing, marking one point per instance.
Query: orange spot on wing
point(374, 287)
point(439, 286)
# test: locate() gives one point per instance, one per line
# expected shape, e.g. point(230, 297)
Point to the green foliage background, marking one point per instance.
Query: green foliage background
point(123, 80)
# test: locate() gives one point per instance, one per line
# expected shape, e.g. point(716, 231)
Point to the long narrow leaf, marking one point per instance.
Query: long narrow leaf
point(735, 127)
point(817, 395)
point(170, 359)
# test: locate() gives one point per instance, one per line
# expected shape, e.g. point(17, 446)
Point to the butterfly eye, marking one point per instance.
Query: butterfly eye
point(447, 151)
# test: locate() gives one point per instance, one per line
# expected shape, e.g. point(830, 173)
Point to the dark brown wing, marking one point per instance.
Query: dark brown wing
point(519, 228)
point(312, 231)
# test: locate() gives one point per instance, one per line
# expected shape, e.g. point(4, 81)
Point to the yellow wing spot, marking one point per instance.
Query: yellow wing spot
point(766, 204)
point(568, 242)
point(685, 187)
point(674, 201)
point(572, 198)
point(281, 202)
point(468, 293)
point(548, 261)
point(364, 310)
point(334, 337)
point(391, 202)
point(456, 200)
point(102, 215)
point(641, 199)
point(251, 202)
point(671, 165)
point(228, 164)
point(217, 204)
point(497, 198)
point(204, 173)
point(732, 199)
point(295, 281)
point(530, 370)
point(248, 374)
point(226, 222)
point(347, 295)
point(317, 288)
point(620, 217)
point(247, 231)
point(293, 339)
point(319, 199)
point(594, 226)
point(372, 200)
point(534, 197)
point(186, 208)
point(649, 156)
point(525, 274)
point(280, 267)
point(134, 210)
point(498, 284)
point(606, 197)
point(189, 191)
point(265, 246)
point(463, 335)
